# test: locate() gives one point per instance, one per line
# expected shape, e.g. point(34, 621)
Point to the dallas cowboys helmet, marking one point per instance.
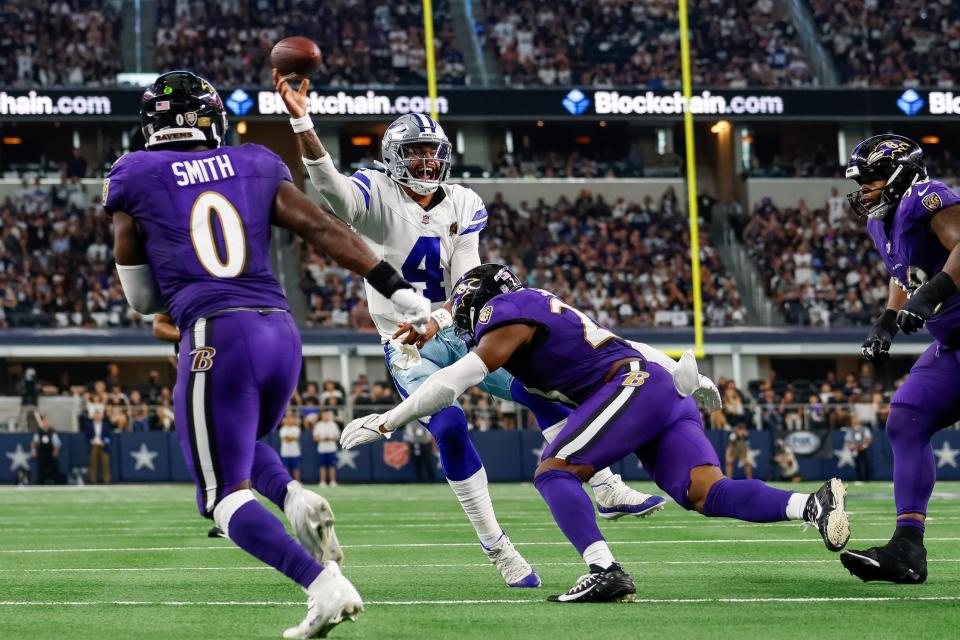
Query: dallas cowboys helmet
point(895, 159)
point(413, 143)
point(181, 107)
point(474, 290)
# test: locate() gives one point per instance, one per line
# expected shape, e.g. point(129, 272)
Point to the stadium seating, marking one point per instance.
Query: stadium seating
point(363, 44)
point(615, 42)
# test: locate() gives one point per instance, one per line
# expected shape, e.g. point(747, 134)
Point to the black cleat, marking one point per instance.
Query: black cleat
point(825, 511)
point(900, 561)
point(216, 532)
point(600, 585)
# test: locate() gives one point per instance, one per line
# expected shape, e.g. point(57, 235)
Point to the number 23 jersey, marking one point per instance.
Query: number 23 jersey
point(431, 247)
point(204, 217)
point(570, 355)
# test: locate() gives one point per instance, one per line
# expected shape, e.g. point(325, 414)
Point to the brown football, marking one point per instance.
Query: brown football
point(295, 57)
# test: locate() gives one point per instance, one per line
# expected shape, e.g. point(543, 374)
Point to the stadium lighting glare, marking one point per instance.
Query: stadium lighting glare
point(242, 127)
point(539, 123)
point(930, 139)
point(508, 141)
point(583, 140)
point(12, 140)
point(603, 123)
point(721, 127)
point(361, 141)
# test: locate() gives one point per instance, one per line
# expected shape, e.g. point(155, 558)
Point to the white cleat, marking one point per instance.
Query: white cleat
point(312, 520)
point(331, 599)
point(516, 571)
point(616, 499)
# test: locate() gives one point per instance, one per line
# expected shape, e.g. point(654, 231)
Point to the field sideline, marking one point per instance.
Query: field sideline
point(134, 562)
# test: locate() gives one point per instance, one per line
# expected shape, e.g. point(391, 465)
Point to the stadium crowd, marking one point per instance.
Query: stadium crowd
point(878, 43)
point(625, 263)
point(819, 263)
point(55, 43)
point(363, 43)
point(611, 42)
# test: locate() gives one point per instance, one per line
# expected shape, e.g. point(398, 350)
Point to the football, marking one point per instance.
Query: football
point(295, 57)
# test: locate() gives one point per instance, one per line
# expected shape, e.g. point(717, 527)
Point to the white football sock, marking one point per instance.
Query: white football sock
point(474, 497)
point(550, 434)
point(796, 506)
point(599, 554)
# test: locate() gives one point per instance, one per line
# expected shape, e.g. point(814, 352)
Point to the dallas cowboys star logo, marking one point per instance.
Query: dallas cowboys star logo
point(844, 457)
point(946, 455)
point(144, 458)
point(347, 458)
point(19, 459)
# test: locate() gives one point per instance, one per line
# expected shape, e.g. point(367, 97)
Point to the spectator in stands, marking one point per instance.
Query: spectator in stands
point(792, 412)
point(76, 167)
point(118, 409)
point(816, 418)
point(332, 394)
point(738, 451)
point(420, 441)
point(326, 433)
point(99, 433)
point(858, 439)
point(29, 396)
point(290, 443)
point(45, 447)
point(139, 412)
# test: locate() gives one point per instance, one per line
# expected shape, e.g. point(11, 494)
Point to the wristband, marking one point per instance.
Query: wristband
point(386, 280)
point(443, 318)
point(301, 124)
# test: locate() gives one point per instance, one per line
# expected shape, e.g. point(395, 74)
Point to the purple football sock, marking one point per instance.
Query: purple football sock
point(546, 412)
point(749, 500)
point(571, 507)
point(261, 534)
point(270, 478)
point(914, 468)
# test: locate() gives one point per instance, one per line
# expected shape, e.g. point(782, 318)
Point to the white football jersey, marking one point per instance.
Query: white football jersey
point(431, 248)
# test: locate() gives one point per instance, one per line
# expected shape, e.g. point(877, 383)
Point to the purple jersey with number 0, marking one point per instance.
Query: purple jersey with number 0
point(570, 355)
point(913, 254)
point(205, 220)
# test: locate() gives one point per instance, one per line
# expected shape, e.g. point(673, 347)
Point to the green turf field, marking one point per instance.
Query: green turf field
point(135, 562)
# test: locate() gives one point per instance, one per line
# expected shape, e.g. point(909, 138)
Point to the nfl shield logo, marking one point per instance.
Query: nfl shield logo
point(396, 454)
point(425, 219)
point(191, 118)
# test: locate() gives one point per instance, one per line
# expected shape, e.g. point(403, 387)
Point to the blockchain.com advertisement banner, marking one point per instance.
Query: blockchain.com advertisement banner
point(459, 103)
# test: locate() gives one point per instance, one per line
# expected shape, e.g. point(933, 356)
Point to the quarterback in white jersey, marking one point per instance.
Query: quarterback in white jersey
point(429, 231)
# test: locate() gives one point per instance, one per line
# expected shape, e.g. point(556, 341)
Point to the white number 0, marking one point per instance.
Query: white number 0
point(209, 204)
point(594, 334)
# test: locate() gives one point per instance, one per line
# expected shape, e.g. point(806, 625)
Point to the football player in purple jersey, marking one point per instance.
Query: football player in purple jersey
point(625, 400)
point(915, 223)
point(192, 223)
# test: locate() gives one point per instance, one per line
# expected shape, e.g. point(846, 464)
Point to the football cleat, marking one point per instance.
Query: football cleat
point(312, 520)
point(601, 585)
point(901, 561)
point(516, 571)
point(216, 532)
point(825, 511)
point(331, 599)
point(616, 499)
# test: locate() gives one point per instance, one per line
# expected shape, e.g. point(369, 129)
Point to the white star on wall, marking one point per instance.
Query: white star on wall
point(752, 455)
point(347, 458)
point(19, 459)
point(946, 456)
point(844, 457)
point(144, 458)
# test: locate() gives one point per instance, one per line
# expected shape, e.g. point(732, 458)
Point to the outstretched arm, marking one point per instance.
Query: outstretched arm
point(136, 277)
point(443, 387)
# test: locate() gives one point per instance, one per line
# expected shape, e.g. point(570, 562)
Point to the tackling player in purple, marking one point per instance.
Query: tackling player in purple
point(915, 224)
point(191, 222)
point(623, 403)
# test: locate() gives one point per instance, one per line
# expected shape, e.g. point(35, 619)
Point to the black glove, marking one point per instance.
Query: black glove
point(924, 302)
point(876, 348)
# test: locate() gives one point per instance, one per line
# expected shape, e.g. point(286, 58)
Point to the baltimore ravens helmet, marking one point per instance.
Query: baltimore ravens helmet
point(474, 290)
point(181, 107)
point(895, 159)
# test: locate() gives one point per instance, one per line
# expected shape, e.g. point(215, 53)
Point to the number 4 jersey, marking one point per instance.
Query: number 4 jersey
point(430, 247)
point(204, 217)
point(570, 355)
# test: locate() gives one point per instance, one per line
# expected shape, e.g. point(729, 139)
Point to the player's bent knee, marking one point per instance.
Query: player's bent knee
point(448, 424)
point(702, 480)
point(228, 506)
point(582, 471)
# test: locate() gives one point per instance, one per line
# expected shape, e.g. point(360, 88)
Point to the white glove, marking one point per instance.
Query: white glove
point(363, 431)
point(411, 307)
point(708, 395)
point(689, 381)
